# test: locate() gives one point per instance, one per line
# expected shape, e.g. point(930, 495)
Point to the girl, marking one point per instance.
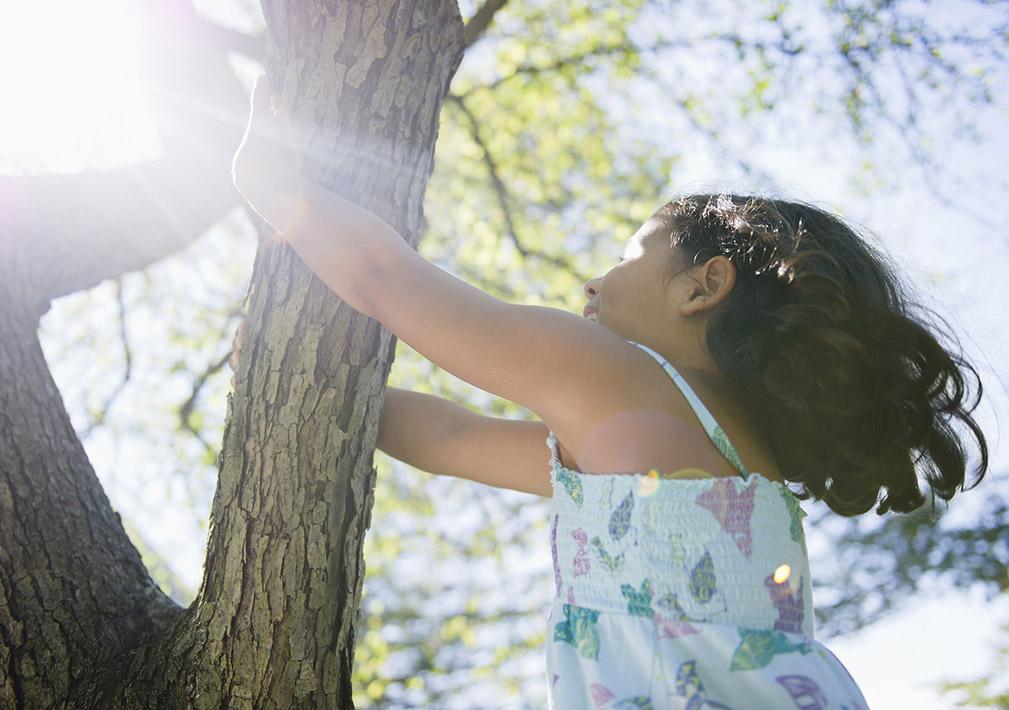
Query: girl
point(741, 344)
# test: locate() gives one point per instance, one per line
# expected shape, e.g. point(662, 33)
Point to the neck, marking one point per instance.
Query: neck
point(693, 360)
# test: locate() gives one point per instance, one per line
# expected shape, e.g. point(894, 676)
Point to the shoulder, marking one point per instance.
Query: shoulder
point(647, 423)
point(631, 419)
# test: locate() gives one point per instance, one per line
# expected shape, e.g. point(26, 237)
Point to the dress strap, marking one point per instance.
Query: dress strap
point(715, 432)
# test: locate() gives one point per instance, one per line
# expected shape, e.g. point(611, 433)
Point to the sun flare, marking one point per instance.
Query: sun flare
point(73, 87)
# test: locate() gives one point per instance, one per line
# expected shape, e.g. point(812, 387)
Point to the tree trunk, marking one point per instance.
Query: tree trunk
point(82, 625)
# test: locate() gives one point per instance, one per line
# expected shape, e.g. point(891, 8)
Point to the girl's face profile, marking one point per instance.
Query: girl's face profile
point(631, 298)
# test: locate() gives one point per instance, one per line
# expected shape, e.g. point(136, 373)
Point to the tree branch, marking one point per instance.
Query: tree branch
point(295, 487)
point(251, 46)
point(500, 190)
point(70, 232)
point(99, 419)
point(73, 589)
point(186, 410)
point(480, 21)
point(784, 46)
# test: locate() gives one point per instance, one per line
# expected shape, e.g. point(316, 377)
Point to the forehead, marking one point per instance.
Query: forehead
point(653, 231)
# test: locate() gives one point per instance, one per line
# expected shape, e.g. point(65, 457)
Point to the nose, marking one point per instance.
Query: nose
point(592, 287)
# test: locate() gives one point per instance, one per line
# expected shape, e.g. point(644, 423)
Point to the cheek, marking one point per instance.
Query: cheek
point(610, 289)
point(621, 288)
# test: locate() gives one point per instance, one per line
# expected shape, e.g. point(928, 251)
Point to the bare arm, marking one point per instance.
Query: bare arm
point(414, 425)
point(440, 437)
point(570, 371)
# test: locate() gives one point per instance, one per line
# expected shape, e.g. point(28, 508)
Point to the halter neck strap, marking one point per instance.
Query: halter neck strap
point(714, 431)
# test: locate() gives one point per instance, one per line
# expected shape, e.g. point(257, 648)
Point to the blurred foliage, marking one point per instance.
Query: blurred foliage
point(567, 125)
point(989, 690)
point(897, 555)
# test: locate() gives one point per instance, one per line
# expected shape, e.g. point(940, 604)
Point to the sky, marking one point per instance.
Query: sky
point(956, 262)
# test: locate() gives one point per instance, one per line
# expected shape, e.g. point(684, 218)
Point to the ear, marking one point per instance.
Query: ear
point(712, 283)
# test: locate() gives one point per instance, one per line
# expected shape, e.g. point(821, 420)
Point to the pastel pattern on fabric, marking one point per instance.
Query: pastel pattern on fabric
point(683, 593)
point(732, 508)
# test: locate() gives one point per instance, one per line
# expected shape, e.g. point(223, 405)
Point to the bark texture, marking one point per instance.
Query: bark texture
point(81, 623)
point(73, 589)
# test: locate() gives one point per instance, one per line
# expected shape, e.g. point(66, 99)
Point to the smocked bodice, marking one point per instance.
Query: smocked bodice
point(719, 550)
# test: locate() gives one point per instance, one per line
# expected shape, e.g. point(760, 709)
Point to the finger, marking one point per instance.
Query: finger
point(265, 121)
point(267, 101)
point(268, 119)
point(263, 96)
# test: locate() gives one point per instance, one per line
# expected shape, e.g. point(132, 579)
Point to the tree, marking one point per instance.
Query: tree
point(532, 191)
point(273, 622)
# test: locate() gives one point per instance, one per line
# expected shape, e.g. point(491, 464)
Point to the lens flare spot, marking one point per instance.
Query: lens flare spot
point(782, 574)
point(649, 483)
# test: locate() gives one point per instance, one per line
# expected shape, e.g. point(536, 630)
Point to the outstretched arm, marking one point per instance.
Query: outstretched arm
point(440, 437)
point(415, 428)
point(550, 361)
point(566, 369)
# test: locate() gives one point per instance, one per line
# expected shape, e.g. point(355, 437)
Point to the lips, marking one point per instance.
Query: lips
point(590, 313)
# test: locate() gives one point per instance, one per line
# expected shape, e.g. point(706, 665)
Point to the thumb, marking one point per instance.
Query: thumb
point(265, 101)
point(268, 114)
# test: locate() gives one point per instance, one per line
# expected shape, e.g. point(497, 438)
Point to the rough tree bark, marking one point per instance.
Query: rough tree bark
point(81, 623)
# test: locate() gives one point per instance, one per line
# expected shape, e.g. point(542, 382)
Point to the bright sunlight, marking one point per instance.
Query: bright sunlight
point(74, 89)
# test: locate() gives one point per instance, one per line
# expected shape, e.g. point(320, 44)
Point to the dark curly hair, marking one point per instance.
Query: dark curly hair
point(853, 389)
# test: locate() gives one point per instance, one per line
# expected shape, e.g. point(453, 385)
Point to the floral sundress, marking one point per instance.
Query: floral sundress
point(683, 593)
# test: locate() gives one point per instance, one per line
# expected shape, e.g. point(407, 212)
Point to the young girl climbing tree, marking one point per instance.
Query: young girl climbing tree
point(746, 352)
